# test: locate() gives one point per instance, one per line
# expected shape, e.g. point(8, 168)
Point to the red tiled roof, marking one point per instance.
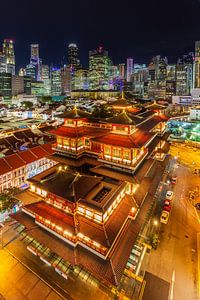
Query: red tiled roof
point(39, 151)
point(134, 140)
point(27, 156)
point(4, 167)
point(53, 214)
point(48, 148)
point(15, 161)
point(100, 268)
point(44, 237)
point(151, 123)
point(76, 132)
point(20, 159)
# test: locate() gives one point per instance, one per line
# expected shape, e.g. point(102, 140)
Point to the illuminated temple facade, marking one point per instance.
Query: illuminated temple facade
point(119, 141)
point(90, 214)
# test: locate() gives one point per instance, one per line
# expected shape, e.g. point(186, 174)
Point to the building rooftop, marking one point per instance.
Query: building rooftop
point(121, 118)
point(66, 184)
point(22, 158)
point(137, 139)
point(78, 132)
point(74, 114)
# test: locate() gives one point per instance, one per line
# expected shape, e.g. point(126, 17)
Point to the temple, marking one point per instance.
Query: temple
point(122, 140)
point(84, 208)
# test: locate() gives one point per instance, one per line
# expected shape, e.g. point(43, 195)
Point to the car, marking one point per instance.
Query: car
point(164, 217)
point(167, 207)
point(168, 202)
point(169, 195)
point(173, 180)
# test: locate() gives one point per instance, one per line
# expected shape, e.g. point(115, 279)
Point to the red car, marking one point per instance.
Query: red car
point(167, 208)
point(167, 202)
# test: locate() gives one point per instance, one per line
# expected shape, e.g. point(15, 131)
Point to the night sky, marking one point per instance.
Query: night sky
point(139, 29)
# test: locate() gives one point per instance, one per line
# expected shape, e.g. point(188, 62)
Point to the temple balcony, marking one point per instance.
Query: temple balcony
point(124, 163)
point(69, 150)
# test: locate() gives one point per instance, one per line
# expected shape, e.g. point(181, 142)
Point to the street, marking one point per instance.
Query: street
point(187, 155)
point(176, 257)
point(18, 283)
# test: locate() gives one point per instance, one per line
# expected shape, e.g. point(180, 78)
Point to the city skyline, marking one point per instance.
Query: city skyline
point(138, 31)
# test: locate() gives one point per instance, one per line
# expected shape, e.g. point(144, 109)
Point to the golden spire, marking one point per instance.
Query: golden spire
point(123, 95)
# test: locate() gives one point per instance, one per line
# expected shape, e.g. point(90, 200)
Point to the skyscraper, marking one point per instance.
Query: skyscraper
point(35, 60)
point(121, 68)
point(184, 74)
point(35, 52)
point(55, 81)
point(2, 63)
point(45, 77)
point(129, 69)
point(5, 85)
point(73, 59)
point(8, 51)
point(17, 85)
point(99, 69)
point(66, 80)
point(197, 65)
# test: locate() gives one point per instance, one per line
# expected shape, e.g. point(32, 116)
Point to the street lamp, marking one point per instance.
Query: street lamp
point(155, 222)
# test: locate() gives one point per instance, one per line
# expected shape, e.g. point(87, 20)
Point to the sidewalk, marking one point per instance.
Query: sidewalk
point(198, 264)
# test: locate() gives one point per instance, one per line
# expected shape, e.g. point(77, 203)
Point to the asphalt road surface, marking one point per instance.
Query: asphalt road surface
point(176, 257)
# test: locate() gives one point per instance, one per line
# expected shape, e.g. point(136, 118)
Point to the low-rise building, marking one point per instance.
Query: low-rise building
point(195, 113)
point(17, 168)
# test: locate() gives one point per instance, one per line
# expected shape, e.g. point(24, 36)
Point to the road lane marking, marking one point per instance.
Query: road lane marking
point(172, 286)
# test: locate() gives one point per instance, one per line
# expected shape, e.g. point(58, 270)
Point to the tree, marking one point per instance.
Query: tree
point(7, 200)
point(27, 104)
point(102, 112)
point(46, 99)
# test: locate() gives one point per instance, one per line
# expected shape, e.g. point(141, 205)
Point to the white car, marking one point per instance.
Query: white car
point(164, 217)
point(169, 195)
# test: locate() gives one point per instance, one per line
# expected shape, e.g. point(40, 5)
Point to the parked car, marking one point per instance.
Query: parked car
point(169, 195)
point(168, 202)
point(167, 207)
point(173, 180)
point(164, 217)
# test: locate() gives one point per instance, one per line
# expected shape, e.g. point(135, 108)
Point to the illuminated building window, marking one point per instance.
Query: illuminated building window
point(127, 154)
point(89, 213)
point(73, 143)
point(81, 210)
point(117, 152)
point(98, 217)
point(80, 143)
point(107, 150)
point(65, 142)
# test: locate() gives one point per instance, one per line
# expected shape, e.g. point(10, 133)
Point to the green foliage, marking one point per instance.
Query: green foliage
point(46, 99)
point(27, 104)
point(102, 112)
point(7, 200)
